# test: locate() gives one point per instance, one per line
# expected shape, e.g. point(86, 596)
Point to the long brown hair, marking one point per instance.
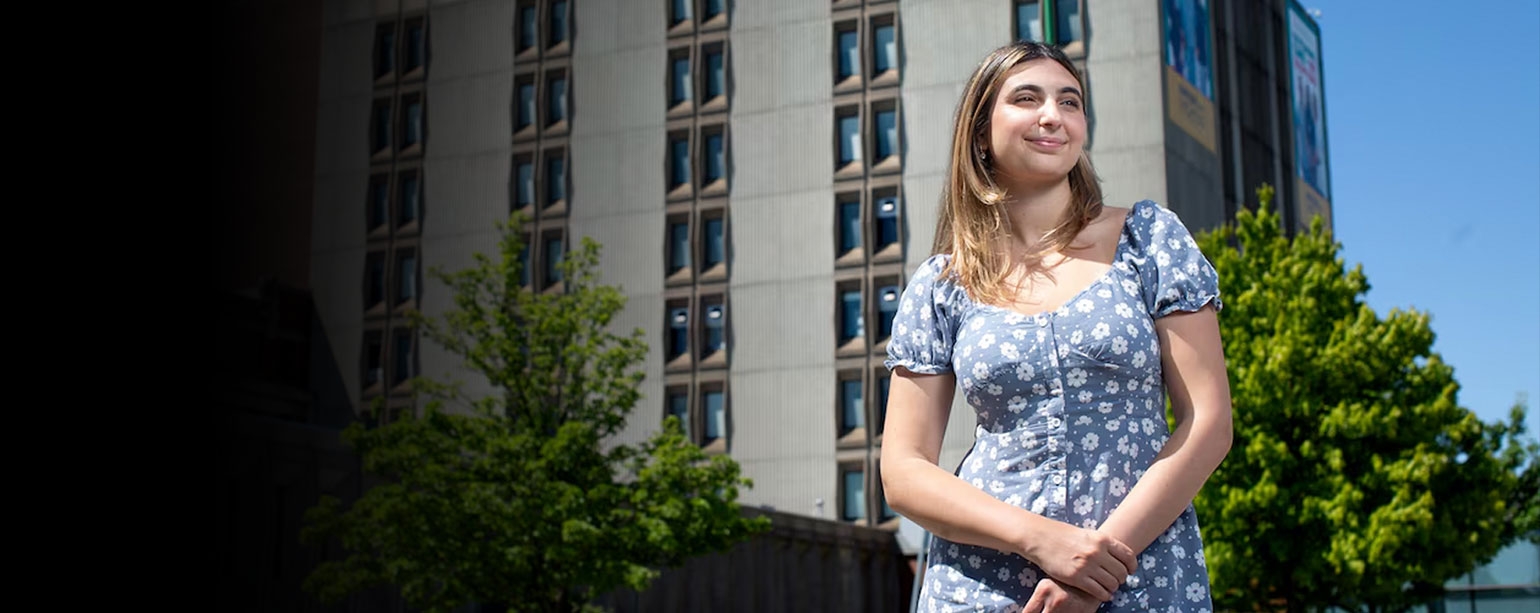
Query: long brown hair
point(972, 225)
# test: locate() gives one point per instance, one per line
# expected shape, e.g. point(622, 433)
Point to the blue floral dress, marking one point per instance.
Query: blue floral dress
point(1070, 411)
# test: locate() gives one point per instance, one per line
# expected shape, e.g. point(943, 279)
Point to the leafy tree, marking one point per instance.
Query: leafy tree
point(522, 497)
point(1355, 480)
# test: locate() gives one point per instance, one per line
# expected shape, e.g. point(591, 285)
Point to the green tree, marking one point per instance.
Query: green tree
point(524, 497)
point(1355, 480)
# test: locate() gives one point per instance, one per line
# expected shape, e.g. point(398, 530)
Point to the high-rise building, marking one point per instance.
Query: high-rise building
point(763, 177)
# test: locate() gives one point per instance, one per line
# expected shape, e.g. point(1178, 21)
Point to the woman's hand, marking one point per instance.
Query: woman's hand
point(1092, 561)
point(1054, 597)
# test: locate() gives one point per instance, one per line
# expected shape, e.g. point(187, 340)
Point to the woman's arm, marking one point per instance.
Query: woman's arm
point(917, 487)
point(1192, 357)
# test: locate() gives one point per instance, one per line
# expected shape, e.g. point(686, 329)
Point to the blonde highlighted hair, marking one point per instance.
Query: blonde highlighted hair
point(973, 225)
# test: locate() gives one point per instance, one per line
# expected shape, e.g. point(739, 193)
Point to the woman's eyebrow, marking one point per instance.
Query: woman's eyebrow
point(1036, 89)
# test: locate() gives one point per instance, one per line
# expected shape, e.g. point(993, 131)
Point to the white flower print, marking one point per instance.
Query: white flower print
point(1076, 337)
point(1138, 361)
point(993, 389)
point(1089, 441)
point(976, 325)
point(1149, 426)
point(952, 552)
point(1088, 523)
point(997, 486)
point(1179, 551)
point(1122, 310)
point(1084, 305)
point(1112, 426)
point(975, 561)
point(960, 594)
point(1083, 505)
point(978, 483)
point(1174, 244)
point(1039, 389)
point(1004, 573)
point(980, 369)
point(1103, 293)
point(1100, 472)
point(1008, 351)
point(1013, 500)
point(986, 340)
point(1119, 345)
point(1016, 404)
point(1133, 331)
point(1130, 287)
point(1025, 372)
point(1113, 387)
point(1019, 334)
point(1196, 591)
point(1104, 408)
point(1075, 377)
point(1014, 318)
point(1123, 446)
point(1101, 331)
point(1147, 561)
point(1084, 396)
point(1117, 487)
point(1161, 581)
point(1027, 576)
point(1198, 555)
point(899, 329)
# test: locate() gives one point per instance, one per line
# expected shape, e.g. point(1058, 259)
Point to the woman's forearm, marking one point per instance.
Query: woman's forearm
point(957, 511)
point(1171, 482)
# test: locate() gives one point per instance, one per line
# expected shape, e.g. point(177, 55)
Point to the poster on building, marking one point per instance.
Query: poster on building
point(1189, 69)
point(1313, 193)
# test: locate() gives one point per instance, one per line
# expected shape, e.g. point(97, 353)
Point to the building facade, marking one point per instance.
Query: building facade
point(763, 177)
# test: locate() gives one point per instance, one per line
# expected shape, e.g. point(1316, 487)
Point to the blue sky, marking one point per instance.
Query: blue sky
point(1433, 120)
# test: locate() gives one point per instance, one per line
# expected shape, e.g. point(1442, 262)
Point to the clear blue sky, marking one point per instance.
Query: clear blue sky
point(1433, 116)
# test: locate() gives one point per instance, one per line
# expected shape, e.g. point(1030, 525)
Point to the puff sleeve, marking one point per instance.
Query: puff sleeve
point(926, 324)
point(1173, 273)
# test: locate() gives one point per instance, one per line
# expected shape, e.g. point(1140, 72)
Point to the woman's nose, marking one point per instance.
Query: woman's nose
point(1049, 115)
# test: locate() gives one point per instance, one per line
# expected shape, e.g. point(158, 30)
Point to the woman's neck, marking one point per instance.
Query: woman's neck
point(1036, 210)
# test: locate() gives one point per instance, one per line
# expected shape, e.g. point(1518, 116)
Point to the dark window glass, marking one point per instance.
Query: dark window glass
point(558, 22)
point(526, 27)
point(416, 49)
point(852, 324)
point(379, 202)
point(556, 97)
point(716, 159)
point(526, 105)
point(1066, 21)
point(678, 332)
point(882, 401)
point(381, 126)
point(376, 278)
point(887, 222)
point(853, 491)
point(413, 123)
point(887, 134)
point(713, 242)
point(679, 406)
point(553, 257)
point(678, 246)
point(403, 354)
point(524, 264)
point(384, 52)
point(406, 276)
point(524, 189)
point(711, 9)
point(411, 198)
point(887, 308)
point(852, 410)
point(716, 415)
point(716, 316)
point(884, 49)
point(1029, 22)
point(679, 161)
point(680, 88)
point(850, 225)
point(716, 76)
point(679, 10)
point(849, 54)
point(374, 347)
point(850, 138)
point(555, 180)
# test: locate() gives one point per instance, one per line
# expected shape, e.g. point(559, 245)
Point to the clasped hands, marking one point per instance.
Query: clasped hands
point(1084, 568)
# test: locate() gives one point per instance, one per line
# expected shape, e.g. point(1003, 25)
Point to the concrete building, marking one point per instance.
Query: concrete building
point(762, 175)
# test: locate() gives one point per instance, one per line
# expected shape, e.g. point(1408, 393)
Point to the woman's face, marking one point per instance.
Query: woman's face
point(1037, 126)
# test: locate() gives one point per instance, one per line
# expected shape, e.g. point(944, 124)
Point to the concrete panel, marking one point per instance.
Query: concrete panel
point(783, 325)
point(337, 219)
point(804, 148)
point(641, 24)
point(803, 72)
point(1132, 174)
point(782, 414)
point(464, 195)
point(596, 26)
point(942, 42)
point(754, 60)
point(749, 15)
point(631, 249)
point(337, 282)
point(793, 485)
point(1120, 29)
point(470, 115)
point(470, 38)
point(1125, 103)
point(754, 155)
point(450, 254)
point(928, 115)
point(617, 173)
point(347, 61)
point(336, 12)
point(342, 135)
point(922, 210)
point(621, 91)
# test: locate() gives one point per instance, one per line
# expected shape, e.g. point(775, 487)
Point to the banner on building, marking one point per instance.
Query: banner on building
point(1189, 70)
point(1312, 177)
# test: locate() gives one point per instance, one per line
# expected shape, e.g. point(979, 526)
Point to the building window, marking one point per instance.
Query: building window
point(679, 77)
point(678, 160)
point(678, 245)
point(524, 116)
point(405, 364)
point(712, 247)
point(885, 222)
point(850, 136)
point(852, 494)
point(411, 199)
point(556, 98)
point(385, 50)
point(852, 322)
point(375, 290)
point(714, 166)
point(1067, 21)
point(679, 406)
point(887, 308)
point(553, 257)
point(412, 130)
point(374, 347)
point(406, 276)
point(714, 316)
point(558, 23)
point(1029, 21)
point(525, 265)
point(527, 27)
point(679, 11)
point(715, 403)
point(379, 200)
point(881, 409)
point(381, 123)
point(678, 331)
point(849, 224)
point(848, 46)
point(524, 183)
point(710, 9)
point(885, 125)
point(852, 408)
point(416, 45)
point(715, 75)
point(884, 46)
point(555, 179)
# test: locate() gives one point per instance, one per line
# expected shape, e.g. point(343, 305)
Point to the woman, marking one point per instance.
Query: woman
point(1063, 320)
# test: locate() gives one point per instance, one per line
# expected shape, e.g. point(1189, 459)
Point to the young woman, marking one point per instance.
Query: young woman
point(1066, 323)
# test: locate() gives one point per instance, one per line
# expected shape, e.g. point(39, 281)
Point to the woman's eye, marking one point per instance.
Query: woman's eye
point(1072, 103)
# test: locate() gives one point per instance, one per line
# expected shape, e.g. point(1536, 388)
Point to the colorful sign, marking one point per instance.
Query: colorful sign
point(1313, 179)
point(1189, 69)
